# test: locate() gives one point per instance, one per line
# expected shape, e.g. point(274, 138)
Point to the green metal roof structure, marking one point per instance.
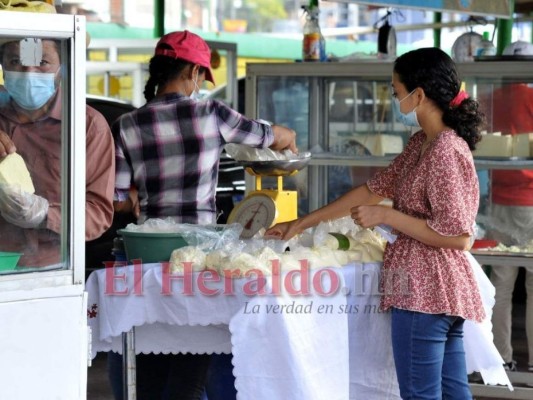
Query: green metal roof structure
point(249, 45)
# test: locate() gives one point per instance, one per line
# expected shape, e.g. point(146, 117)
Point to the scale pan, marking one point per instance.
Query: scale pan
point(276, 167)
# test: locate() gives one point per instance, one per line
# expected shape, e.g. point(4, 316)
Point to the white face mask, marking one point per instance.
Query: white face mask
point(195, 95)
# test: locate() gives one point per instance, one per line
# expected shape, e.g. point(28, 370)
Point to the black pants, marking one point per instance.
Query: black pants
point(163, 376)
point(220, 380)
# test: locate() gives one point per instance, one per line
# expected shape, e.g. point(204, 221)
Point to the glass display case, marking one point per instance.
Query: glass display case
point(342, 113)
point(42, 214)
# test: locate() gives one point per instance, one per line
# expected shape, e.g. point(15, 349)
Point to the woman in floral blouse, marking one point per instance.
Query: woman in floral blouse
point(427, 283)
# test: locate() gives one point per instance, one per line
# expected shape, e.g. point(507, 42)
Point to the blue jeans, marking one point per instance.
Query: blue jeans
point(429, 356)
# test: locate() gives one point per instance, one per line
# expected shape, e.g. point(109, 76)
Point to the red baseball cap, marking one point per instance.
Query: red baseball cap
point(186, 46)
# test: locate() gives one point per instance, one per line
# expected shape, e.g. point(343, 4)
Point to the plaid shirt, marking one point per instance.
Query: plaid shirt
point(170, 150)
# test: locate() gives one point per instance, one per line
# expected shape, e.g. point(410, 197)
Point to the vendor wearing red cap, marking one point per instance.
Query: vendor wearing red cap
point(189, 47)
point(169, 149)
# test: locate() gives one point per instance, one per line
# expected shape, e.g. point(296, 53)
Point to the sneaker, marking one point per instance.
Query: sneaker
point(511, 366)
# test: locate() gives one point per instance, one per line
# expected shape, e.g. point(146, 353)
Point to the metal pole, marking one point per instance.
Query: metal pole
point(505, 30)
point(437, 19)
point(531, 38)
point(505, 33)
point(129, 371)
point(159, 18)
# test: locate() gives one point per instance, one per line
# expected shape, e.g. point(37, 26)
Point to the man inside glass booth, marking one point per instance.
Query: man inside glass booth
point(30, 125)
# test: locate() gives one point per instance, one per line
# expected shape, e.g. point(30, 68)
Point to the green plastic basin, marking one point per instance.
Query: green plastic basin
point(150, 247)
point(8, 260)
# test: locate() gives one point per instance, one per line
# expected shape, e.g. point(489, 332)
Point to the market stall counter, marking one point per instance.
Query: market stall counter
point(301, 318)
point(289, 334)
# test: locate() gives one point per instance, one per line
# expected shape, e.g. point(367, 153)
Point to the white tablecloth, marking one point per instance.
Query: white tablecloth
point(372, 373)
point(282, 345)
point(319, 347)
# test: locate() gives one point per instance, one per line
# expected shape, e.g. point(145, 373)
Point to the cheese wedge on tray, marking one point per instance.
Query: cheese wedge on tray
point(13, 171)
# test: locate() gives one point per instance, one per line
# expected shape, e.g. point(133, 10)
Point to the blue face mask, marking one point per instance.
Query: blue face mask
point(408, 119)
point(30, 90)
point(4, 98)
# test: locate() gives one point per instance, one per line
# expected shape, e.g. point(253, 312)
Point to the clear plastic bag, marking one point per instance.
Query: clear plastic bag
point(212, 237)
point(241, 152)
point(205, 237)
point(22, 208)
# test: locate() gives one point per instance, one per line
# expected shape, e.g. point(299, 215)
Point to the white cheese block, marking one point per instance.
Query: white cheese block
point(521, 145)
point(13, 171)
point(379, 144)
point(187, 254)
point(494, 145)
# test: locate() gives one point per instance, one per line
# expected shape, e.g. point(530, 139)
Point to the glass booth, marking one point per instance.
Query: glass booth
point(43, 340)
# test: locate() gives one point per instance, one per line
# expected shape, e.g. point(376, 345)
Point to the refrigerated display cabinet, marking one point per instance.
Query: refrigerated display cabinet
point(342, 113)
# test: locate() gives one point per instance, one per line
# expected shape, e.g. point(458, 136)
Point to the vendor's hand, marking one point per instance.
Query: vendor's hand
point(284, 139)
point(6, 145)
point(130, 205)
point(21, 208)
point(135, 205)
point(283, 230)
point(369, 216)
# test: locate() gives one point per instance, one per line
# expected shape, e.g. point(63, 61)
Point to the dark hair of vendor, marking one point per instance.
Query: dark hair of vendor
point(163, 69)
point(434, 71)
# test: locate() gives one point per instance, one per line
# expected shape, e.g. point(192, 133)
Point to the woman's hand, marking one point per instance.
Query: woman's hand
point(284, 230)
point(370, 216)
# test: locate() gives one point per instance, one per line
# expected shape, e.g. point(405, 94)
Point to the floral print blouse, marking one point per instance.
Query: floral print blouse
point(441, 187)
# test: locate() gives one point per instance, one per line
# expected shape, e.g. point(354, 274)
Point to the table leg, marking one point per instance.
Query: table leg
point(129, 377)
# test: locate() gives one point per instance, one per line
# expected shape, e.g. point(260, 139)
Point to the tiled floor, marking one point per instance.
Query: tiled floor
point(99, 388)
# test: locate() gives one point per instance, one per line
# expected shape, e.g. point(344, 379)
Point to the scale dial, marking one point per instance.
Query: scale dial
point(464, 47)
point(253, 213)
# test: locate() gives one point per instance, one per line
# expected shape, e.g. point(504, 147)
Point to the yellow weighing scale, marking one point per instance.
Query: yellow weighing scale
point(263, 208)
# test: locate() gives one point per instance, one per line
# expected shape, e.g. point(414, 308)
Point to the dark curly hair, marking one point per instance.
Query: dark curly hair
point(434, 71)
point(163, 69)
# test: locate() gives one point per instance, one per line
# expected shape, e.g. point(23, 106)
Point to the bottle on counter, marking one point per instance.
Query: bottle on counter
point(314, 44)
point(486, 47)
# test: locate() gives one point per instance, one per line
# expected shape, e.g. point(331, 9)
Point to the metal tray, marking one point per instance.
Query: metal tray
point(276, 167)
point(499, 158)
point(504, 58)
point(480, 252)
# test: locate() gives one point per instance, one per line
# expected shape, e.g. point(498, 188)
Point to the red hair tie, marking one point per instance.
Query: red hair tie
point(457, 100)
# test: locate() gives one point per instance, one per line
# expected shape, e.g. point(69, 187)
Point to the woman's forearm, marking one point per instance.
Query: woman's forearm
point(419, 230)
point(341, 206)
